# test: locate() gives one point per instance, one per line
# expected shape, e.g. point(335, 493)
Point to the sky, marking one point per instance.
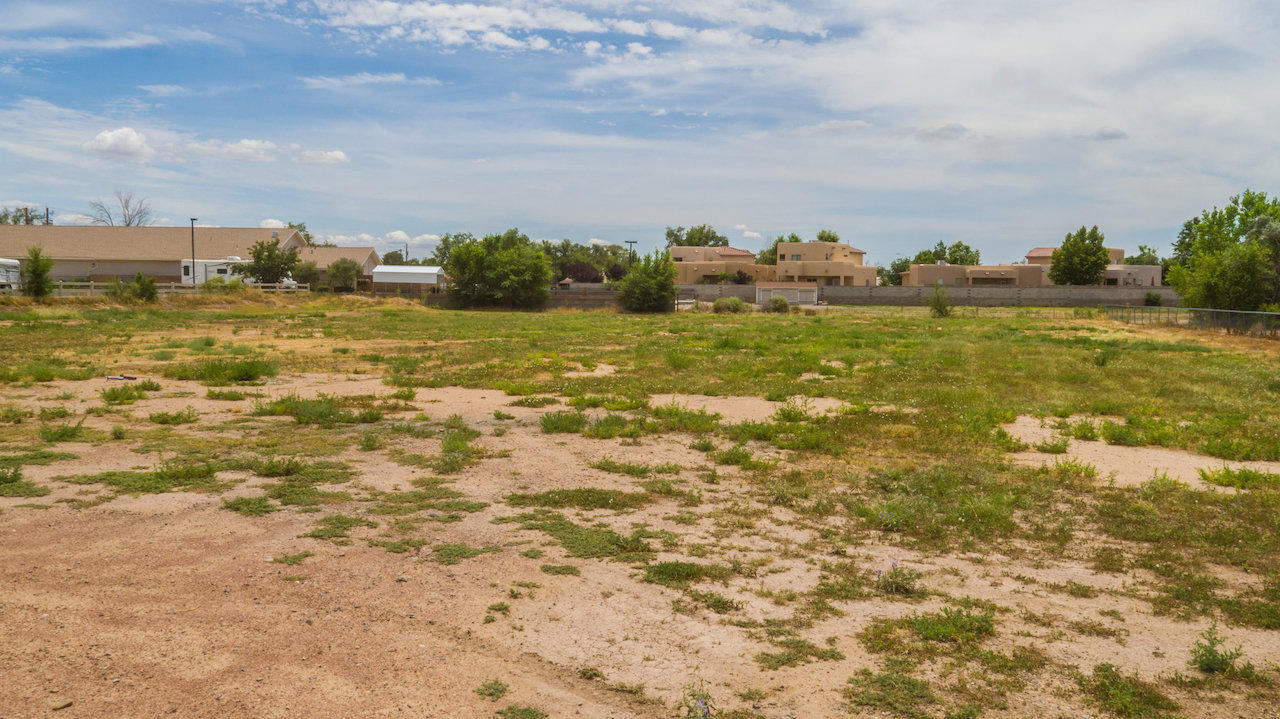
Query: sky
point(1003, 124)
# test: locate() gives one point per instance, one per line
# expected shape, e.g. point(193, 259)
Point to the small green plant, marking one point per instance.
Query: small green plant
point(186, 416)
point(563, 422)
point(518, 712)
point(533, 401)
point(60, 432)
point(1153, 299)
point(1126, 696)
point(892, 692)
point(899, 581)
point(493, 690)
point(1054, 446)
point(730, 305)
point(292, 559)
point(117, 432)
point(123, 394)
point(1084, 430)
point(696, 701)
point(561, 569)
point(13, 485)
point(1208, 656)
point(777, 304)
point(1124, 435)
point(370, 442)
point(250, 506)
point(939, 305)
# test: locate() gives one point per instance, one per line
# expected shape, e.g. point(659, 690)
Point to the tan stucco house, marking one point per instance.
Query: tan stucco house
point(707, 264)
point(1035, 273)
point(825, 263)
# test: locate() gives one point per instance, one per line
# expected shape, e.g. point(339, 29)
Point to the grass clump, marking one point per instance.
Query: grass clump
point(1126, 696)
point(519, 712)
point(250, 506)
point(171, 475)
point(123, 394)
point(582, 541)
point(953, 625)
point(54, 433)
point(1243, 478)
point(455, 553)
point(533, 401)
point(675, 417)
point(493, 690)
point(584, 498)
point(616, 467)
point(891, 692)
point(899, 581)
point(292, 559)
point(335, 527)
point(13, 485)
point(1054, 446)
point(563, 422)
point(1208, 656)
point(561, 570)
point(680, 575)
point(730, 305)
point(322, 411)
point(186, 416)
point(223, 372)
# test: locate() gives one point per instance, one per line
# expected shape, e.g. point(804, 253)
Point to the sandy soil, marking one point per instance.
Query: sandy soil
point(1126, 466)
point(168, 603)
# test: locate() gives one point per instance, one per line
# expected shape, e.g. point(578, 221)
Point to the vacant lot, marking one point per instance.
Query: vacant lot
point(375, 509)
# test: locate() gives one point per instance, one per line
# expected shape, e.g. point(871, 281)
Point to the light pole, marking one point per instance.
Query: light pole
point(193, 251)
point(633, 251)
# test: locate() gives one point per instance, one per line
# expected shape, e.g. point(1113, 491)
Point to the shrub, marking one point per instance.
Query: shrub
point(563, 422)
point(221, 285)
point(1207, 654)
point(268, 263)
point(650, 285)
point(1153, 299)
point(939, 305)
point(343, 273)
point(36, 274)
point(730, 305)
point(778, 304)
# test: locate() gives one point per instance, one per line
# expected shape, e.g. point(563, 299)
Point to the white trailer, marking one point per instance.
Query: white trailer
point(408, 274)
point(10, 274)
point(208, 269)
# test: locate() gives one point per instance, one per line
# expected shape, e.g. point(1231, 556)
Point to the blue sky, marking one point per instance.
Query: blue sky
point(1004, 124)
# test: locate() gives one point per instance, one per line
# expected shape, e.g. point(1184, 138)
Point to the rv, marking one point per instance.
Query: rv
point(10, 275)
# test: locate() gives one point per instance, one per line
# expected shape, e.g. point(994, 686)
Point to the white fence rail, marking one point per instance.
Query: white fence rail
point(99, 289)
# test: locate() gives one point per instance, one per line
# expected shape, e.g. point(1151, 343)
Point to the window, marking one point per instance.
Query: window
point(186, 270)
point(222, 270)
point(677, 259)
point(795, 258)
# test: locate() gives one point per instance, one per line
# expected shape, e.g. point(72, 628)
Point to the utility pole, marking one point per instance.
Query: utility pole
point(193, 251)
point(46, 217)
point(633, 251)
point(406, 253)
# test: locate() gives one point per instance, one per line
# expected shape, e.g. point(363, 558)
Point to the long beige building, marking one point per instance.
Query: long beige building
point(1035, 273)
point(821, 263)
point(105, 253)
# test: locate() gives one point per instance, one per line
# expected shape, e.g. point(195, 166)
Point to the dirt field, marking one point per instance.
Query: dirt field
point(603, 568)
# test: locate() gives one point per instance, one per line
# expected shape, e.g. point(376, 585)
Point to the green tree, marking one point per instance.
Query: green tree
point(1216, 229)
point(698, 236)
point(301, 227)
point(306, 273)
point(37, 274)
point(268, 263)
point(1081, 260)
point(828, 236)
point(448, 241)
point(650, 285)
point(892, 275)
point(957, 253)
point(1146, 256)
point(1239, 277)
point(770, 255)
point(506, 270)
point(21, 216)
point(394, 257)
point(343, 273)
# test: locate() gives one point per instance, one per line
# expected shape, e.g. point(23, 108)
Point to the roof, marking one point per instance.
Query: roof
point(325, 255)
point(410, 269)
point(734, 251)
point(788, 285)
point(1042, 251)
point(819, 242)
point(97, 242)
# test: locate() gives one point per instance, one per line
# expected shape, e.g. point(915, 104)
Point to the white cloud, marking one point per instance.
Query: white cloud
point(164, 90)
point(324, 82)
point(741, 227)
point(597, 242)
point(124, 143)
point(749, 235)
point(640, 49)
point(272, 223)
point(321, 157)
point(246, 150)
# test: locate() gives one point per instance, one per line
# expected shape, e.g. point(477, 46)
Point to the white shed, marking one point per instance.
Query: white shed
point(408, 274)
point(10, 274)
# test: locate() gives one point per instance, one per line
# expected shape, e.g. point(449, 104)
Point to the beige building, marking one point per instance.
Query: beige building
point(825, 263)
point(1035, 273)
point(707, 264)
point(105, 253)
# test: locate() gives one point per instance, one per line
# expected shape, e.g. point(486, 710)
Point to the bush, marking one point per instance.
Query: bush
point(343, 273)
point(777, 303)
point(505, 270)
point(1153, 299)
point(939, 305)
point(37, 280)
point(306, 273)
point(140, 288)
point(268, 263)
point(221, 285)
point(730, 305)
point(650, 285)
point(1208, 656)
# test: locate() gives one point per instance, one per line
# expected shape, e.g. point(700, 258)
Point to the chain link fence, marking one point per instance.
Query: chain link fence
point(1256, 324)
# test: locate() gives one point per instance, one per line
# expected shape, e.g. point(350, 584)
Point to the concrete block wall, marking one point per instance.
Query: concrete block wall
point(1058, 296)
